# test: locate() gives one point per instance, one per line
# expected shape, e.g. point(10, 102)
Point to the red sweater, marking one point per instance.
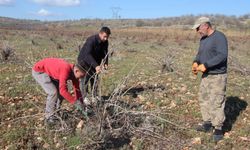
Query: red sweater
point(62, 71)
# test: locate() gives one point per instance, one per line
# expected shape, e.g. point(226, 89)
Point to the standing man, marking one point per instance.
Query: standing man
point(94, 52)
point(211, 60)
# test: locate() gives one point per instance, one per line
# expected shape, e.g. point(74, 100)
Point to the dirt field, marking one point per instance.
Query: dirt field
point(149, 92)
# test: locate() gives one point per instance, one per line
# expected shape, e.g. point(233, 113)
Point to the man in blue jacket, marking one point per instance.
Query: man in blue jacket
point(94, 53)
point(211, 60)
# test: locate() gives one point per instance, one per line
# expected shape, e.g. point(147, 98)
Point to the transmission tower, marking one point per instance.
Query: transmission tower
point(115, 11)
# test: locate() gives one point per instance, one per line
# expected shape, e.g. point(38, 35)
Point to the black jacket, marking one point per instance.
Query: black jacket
point(93, 52)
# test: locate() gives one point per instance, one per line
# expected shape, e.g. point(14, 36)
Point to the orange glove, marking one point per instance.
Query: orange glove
point(202, 68)
point(194, 68)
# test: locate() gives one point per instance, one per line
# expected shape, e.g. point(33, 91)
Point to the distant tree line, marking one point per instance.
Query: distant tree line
point(241, 22)
point(217, 20)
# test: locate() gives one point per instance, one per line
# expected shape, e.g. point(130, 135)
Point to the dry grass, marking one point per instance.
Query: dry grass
point(170, 98)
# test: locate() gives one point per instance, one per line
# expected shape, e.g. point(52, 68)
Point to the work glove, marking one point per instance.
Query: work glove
point(201, 68)
point(80, 107)
point(195, 68)
point(86, 101)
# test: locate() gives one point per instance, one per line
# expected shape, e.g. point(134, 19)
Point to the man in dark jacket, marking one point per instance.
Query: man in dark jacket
point(95, 53)
point(211, 60)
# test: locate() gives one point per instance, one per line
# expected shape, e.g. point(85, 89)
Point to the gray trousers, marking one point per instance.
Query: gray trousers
point(212, 99)
point(51, 88)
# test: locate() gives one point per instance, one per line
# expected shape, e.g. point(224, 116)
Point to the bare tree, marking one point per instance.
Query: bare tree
point(236, 66)
point(166, 62)
point(7, 51)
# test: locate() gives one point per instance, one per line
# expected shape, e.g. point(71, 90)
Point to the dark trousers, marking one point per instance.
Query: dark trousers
point(92, 78)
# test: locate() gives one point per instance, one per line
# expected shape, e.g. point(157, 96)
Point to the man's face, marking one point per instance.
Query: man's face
point(103, 36)
point(79, 74)
point(202, 29)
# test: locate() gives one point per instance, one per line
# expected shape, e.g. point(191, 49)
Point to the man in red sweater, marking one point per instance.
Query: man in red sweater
point(52, 74)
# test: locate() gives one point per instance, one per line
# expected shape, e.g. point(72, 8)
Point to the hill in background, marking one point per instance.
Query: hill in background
point(241, 22)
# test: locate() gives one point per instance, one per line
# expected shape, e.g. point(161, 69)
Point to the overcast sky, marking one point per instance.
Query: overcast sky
point(105, 9)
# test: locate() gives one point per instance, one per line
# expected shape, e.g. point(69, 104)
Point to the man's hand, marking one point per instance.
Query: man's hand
point(106, 66)
point(98, 69)
point(195, 68)
point(79, 105)
point(202, 68)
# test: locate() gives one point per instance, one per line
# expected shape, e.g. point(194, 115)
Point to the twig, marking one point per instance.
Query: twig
point(23, 117)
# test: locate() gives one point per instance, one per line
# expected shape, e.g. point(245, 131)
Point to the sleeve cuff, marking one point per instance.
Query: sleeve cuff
point(195, 61)
point(94, 65)
point(73, 101)
point(206, 65)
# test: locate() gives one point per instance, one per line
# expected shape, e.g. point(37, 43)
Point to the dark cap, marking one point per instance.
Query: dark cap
point(84, 67)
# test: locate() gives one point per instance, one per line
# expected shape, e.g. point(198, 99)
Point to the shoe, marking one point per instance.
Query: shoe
point(51, 120)
point(64, 115)
point(217, 135)
point(205, 127)
point(87, 101)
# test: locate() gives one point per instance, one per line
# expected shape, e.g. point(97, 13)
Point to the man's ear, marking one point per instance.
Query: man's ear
point(76, 70)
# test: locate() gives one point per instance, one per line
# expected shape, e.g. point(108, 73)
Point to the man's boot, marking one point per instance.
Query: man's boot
point(205, 127)
point(217, 135)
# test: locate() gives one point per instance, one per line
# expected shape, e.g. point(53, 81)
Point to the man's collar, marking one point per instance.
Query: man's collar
point(98, 38)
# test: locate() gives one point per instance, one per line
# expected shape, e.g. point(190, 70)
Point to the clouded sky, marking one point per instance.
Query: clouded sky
point(77, 9)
